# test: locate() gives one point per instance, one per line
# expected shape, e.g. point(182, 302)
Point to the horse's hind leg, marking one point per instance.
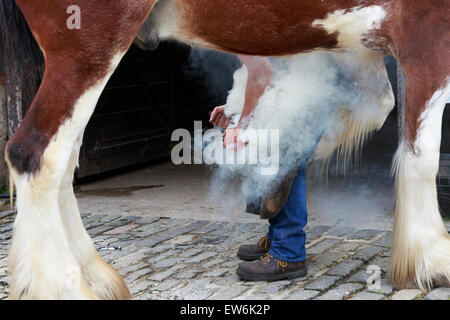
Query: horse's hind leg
point(43, 261)
point(421, 245)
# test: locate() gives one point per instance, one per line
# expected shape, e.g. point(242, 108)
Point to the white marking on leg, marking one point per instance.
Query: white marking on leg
point(41, 260)
point(101, 278)
point(421, 246)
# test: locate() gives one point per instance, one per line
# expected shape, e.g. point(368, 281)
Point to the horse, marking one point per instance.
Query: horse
point(50, 244)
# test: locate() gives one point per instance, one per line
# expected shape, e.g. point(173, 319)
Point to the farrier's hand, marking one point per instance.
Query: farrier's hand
point(218, 117)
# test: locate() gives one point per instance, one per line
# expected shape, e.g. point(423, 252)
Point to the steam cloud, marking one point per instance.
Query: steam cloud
point(300, 103)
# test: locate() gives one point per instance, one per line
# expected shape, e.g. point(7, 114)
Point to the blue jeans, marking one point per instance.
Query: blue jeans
point(286, 229)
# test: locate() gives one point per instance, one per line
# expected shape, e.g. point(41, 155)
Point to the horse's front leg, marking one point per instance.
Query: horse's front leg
point(421, 245)
point(102, 279)
point(43, 262)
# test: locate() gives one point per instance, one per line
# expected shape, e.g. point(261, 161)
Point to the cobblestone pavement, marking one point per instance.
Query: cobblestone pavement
point(170, 258)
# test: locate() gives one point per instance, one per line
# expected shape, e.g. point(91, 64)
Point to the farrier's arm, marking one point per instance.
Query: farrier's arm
point(260, 73)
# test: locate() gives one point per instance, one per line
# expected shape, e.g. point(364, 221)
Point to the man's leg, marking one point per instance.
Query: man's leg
point(287, 254)
point(286, 229)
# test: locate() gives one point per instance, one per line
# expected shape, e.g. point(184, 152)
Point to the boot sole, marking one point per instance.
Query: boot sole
point(249, 257)
point(282, 276)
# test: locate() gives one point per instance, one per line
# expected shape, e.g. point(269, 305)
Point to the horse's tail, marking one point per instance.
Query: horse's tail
point(22, 62)
point(21, 66)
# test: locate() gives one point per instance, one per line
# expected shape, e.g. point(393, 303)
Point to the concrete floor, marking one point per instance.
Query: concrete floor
point(166, 190)
point(364, 199)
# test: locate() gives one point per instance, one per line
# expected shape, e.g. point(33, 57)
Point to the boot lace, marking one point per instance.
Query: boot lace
point(266, 258)
point(264, 243)
point(281, 264)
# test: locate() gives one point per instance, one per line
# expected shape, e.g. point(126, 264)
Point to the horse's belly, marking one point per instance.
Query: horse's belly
point(266, 27)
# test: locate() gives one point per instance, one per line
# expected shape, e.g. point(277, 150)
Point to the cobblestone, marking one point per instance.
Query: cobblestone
point(136, 275)
point(178, 258)
point(274, 287)
point(139, 287)
point(165, 274)
point(257, 296)
point(345, 268)
point(348, 246)
point(303, 294)
point(439, 294)
point(385, 241)
point(201, 257)
point(167, 285)
point(341, 231)
point(122, 229)
point(187, 273)
point(316, 232)
point(367, 296)
point(364, 234)
point(217, 272)
point(382, 263)
point(407, 294)
point(340, 292)
point(360, 276)
point(230, 293)
point(385, 288)
point(195, 290)
point(367, 253)
point(329, 258)
point(322, 246)
point(322, 283)
point(166, 263)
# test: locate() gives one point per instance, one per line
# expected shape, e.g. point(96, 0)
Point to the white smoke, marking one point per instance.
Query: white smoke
point(300, 103)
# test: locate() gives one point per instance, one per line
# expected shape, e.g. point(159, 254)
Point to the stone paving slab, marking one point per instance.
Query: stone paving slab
point(180, 258)
point(439, 294)
point(407, 294)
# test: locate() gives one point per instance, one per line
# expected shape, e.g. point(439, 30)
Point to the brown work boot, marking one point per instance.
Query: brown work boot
point(251, 252)
point(270, 269)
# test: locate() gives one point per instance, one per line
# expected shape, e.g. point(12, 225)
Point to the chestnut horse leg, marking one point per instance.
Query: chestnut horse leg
point(421, 245)
point(41, 261)
point(51, 256)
